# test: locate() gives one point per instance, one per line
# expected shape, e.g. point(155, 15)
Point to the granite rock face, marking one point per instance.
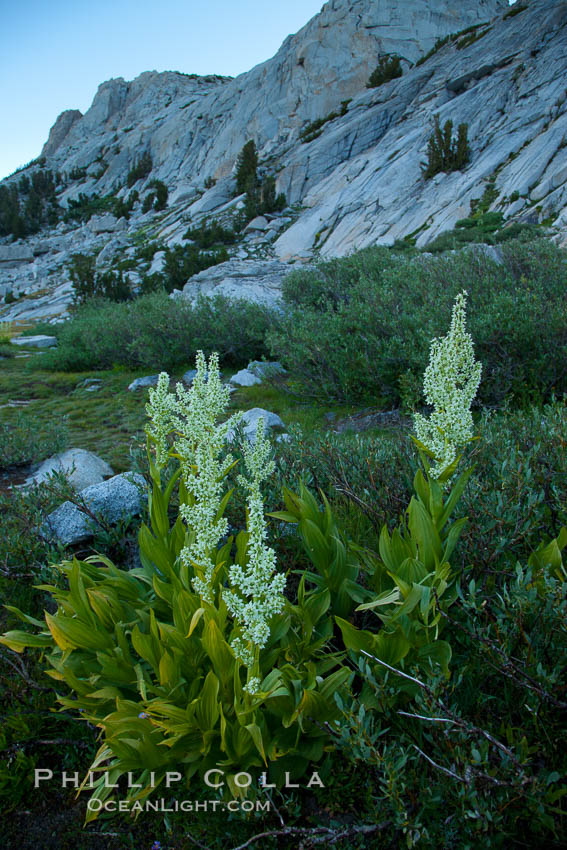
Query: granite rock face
point(357, 182)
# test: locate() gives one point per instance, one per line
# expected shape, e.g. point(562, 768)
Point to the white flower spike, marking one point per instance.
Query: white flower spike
point(450, 384)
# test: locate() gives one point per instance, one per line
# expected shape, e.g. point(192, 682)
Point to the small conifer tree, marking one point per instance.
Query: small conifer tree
point(247, 167)
point(445, 153)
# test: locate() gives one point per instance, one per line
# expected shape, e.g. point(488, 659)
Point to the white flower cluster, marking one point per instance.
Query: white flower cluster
point(257, 589)
point(191, 415)
point(450, 383)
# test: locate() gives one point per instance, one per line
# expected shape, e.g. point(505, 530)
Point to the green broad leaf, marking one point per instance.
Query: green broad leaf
point(316, 545)
point(108, 692)
point(425, 534)
point(334, 682)
point(98, 599)
point(18, 640)
point(141, 681)
point(256, 735)
point(25, 617)
point(439, 652)
point(207, 710)
point(218, 651)
point(224, 502)
point(171, 484)
point(452, 537)
point(195, 620)
point(168, 671)
point(72, 634)
point(285, 516)
point(163, 589)
point(421, 487)
point(355, 639)
point(357, 592)
point(454, 496)
point(145, 646)
point(392, 647)
point(389, 597)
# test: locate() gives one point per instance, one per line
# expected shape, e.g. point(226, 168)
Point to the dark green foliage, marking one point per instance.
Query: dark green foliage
point(209, 182)
point(122, 208)
point(183, 261)
point(389, 68)
point(161, 195)
point(246, 167)
point(488, 228)
point(261, 198)
point(9, 297)
point(29, 204)
point(148, 202)
point(315, 128)
point(23, 439)
point(471, 38)
point(445, 153)
point(515, 10)
point(78, 174)
point(156, 332)
point(141, 168)
point(371, 319)
point(89, 284)
point(441, 42)
point(210, 235)
point(84, 207)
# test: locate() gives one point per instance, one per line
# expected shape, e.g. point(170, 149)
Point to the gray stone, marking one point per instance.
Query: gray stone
point(158, 262)
point(245, 378)
point(252, 280)
point(38, 341)
point(12, 256)
point(113, 500)
point(106, 223)
point(80, 467)
point(140, 383)
point(249, 423)
point(258, 223)
point(189, 376)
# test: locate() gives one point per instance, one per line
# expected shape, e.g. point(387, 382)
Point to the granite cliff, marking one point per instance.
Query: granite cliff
point(355, 180)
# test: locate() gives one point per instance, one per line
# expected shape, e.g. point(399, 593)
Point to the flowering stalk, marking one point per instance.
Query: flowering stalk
point(199, 442)
point(256, 589)
point(450, 384)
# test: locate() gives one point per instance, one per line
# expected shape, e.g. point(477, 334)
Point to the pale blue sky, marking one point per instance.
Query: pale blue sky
point(54, 53)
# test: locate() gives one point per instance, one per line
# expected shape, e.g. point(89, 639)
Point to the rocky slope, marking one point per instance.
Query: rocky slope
point(358, 182)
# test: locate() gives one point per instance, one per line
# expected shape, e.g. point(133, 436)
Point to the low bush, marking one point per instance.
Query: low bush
point(444, 153)
point(156, 332)
point(209, 235)
point(24, 439)
point(356, 326)
point(141, 168)
point(388, 68)
point(89, 284)
point(180, 263)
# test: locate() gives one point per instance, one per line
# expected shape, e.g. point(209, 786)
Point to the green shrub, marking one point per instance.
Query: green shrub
point(208, 235)
point(24, 439)
point(183, 261)
point(389, 310)
point(84, 207)
point(389, 68)
point(141, 168)
point(314, 129)
point(157, 332)
point(89, 284)
point(444, 153)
